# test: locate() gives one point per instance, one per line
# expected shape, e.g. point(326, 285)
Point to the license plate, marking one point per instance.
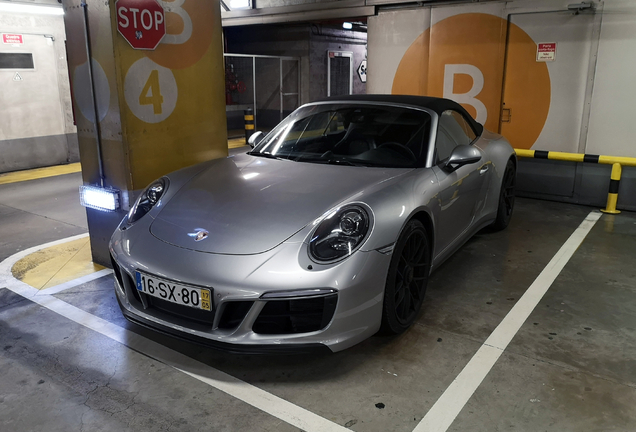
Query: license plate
point(198, 298)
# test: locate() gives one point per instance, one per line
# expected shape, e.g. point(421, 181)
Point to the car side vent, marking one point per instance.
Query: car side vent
point(234, 313)
point(133, 287)
point(296, 316)
point(117, 272)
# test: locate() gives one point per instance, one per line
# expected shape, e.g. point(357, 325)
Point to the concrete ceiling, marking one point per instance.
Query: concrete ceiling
point(42, 2)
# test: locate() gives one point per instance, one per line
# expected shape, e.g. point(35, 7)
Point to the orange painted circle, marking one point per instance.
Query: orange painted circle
point(203, 17)
point(479, 40)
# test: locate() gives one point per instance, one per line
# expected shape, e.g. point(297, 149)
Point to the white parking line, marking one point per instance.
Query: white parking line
point(440, 417)
point(75, 282)
point(252, 395)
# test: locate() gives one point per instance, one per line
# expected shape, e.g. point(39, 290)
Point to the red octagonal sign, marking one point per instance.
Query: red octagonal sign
point(141, 22)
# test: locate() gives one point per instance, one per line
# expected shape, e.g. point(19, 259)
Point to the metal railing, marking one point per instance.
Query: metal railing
point(617, 163)
point(288, 82)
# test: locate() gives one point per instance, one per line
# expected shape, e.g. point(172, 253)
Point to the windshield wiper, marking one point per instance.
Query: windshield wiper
point(342, 162)
point(266, 155)
point(331, 161)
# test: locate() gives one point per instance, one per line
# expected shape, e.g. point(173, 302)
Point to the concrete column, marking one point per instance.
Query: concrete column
point(157, 110)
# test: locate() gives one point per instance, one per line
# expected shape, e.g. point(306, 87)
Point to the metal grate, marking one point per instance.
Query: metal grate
point(339, 78)
point(270, 85)
point(16, 61)
point(239, 82)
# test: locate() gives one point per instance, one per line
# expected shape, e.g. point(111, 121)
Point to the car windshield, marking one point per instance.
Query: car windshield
point(351, 134)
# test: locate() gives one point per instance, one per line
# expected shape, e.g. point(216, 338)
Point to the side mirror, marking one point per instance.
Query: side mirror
point(255, 138)
point(462, 155)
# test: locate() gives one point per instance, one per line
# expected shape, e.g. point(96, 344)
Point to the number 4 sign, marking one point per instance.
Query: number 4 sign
point(151, 93)
point(150, 90)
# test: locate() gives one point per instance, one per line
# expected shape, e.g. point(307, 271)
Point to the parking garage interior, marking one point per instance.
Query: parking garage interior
point(526, 329)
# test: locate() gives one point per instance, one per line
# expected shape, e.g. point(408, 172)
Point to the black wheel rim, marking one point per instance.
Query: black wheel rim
point(508, 192)
point(411, 276)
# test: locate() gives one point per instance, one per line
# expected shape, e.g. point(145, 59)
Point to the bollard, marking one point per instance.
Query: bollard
point(617, 162)
point(249, 123)
point(612, 195)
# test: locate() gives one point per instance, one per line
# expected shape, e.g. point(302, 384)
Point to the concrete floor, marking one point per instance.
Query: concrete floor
point(39, 211)
point(571, 367)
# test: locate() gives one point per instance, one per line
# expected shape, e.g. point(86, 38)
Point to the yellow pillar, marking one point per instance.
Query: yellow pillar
point(612, 196)
point(158, 110)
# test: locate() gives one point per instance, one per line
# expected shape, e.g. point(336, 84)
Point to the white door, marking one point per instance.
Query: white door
point(30, 104)
point(557, 122)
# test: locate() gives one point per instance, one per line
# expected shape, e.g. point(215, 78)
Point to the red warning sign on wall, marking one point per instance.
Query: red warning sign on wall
point(546, 51)
point(12, 39)
point(141, 23)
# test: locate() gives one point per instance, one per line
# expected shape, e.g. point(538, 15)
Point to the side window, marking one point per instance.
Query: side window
point(336, 123)
point(452, 131)
point(444, 144)
point(470, 133)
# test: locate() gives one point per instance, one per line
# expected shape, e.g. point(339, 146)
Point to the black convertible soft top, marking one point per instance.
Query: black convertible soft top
point(439, 105)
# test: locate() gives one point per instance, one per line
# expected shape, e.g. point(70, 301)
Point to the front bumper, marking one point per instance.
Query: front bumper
point(224, 346)
point(339, 320)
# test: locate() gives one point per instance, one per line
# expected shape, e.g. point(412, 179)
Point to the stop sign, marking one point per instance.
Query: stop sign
point(141, 22)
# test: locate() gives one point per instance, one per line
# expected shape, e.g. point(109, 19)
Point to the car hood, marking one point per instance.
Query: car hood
point(251, 204)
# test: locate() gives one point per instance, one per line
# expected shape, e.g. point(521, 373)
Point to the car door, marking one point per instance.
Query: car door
point(461, 188)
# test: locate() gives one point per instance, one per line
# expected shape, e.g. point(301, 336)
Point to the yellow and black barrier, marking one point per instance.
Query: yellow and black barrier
point(617, 163)
point(249, 123)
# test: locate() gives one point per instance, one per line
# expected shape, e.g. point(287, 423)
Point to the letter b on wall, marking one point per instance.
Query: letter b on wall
point(461, 57)
point(469, 97)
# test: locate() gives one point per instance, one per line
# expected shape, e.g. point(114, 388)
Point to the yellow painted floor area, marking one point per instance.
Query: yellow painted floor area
point(59, 264)
point(56, 265)
point(18, 176)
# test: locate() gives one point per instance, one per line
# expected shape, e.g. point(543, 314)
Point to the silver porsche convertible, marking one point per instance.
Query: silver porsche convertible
point(322, 235)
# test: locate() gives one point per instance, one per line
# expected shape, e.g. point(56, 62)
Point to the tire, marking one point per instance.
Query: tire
point(407, 279)
point(506, 198)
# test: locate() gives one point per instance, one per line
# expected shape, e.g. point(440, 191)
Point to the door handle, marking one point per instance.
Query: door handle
point(506, 115)
point(483, 170)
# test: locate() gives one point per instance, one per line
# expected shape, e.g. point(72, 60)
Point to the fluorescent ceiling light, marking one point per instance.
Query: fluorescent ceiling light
point(347, 25)
point(240, 4)
point(31, 9)
point(100, 199)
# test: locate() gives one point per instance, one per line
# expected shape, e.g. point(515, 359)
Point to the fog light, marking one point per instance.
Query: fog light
point(99, 198)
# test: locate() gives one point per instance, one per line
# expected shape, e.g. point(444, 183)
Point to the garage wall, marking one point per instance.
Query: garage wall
point(614, 86)
point(459, 52)
point(391, 33)
point(329, 39)
point(36, 130)
point(310, 42)
point(291, 41)
point(580, 102)
point(279, 3)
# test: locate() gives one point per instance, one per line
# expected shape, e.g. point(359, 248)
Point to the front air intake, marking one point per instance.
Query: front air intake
point(296, 316)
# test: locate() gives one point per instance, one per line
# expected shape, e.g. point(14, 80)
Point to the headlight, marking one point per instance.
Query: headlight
point(340, 234)
point(147, 200)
